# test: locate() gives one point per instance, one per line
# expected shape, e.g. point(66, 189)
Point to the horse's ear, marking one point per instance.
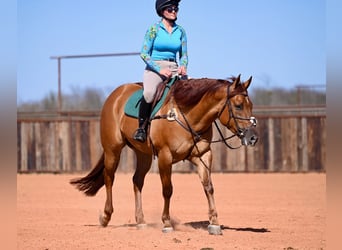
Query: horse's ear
point(236, 81)
point(247, 83)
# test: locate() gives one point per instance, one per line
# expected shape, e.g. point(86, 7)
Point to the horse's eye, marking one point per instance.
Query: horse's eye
point(239, 107)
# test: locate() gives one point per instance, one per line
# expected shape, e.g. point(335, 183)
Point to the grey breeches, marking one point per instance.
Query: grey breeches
point(151, 79)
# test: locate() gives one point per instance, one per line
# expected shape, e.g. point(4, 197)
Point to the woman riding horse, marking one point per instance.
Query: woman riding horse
point(196, 104)
point(162, 42)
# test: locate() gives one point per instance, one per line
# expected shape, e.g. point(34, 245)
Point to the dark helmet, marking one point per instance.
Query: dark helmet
point(162, 4)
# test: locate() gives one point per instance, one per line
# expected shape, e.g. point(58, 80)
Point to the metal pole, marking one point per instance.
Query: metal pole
point(96, 55)
point(299, 95)
point(59, 59)
point(59, 86)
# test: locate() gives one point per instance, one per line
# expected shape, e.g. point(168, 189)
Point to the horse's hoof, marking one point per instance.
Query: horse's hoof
point(141, 226)
point(167, 230)
point(103, 221)
point(214, 230)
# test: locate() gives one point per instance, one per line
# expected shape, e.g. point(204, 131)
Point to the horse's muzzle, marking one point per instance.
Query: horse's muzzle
point(249, 137)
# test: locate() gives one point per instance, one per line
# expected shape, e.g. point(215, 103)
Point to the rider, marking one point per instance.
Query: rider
point(162, 41)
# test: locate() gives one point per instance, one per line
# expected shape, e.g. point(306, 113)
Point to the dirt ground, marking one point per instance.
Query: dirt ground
point(256, 211)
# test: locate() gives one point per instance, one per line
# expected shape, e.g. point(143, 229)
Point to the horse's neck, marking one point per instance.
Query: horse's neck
point(203, 114)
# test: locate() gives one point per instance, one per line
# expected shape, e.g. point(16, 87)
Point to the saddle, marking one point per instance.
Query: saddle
point(159, 93)
point(133, 103)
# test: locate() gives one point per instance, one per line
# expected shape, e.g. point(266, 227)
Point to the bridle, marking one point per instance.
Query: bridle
point(240, 131)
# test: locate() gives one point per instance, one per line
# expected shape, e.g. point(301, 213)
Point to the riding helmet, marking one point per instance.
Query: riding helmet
point(162, 4)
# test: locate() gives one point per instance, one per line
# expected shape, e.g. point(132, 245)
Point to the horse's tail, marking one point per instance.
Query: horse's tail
point(91, 183)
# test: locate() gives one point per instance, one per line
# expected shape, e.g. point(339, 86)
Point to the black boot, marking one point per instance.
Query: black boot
point(144, 114)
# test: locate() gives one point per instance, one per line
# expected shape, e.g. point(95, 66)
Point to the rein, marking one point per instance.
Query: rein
point(224, 140)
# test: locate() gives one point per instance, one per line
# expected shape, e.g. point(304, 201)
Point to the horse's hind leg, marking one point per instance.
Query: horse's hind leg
point(143, 166)
point(204, 170)
point(111, 161)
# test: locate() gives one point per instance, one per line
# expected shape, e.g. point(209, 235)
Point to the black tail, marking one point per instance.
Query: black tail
point(91, 183)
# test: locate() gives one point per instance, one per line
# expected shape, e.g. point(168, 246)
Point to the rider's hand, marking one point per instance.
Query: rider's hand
point(182, 70)
point(165, 72)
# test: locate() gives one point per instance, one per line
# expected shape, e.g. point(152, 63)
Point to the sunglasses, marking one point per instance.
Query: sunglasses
point(172, 9)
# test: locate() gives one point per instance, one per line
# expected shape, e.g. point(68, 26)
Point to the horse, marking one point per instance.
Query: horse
point(182, 129)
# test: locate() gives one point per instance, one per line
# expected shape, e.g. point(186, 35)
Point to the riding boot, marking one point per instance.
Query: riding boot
point(144, 114)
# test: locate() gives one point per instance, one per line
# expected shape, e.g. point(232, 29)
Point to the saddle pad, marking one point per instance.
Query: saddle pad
point(133, 104)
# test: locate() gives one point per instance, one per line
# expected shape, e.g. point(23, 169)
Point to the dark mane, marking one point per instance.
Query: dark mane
point(187, 93)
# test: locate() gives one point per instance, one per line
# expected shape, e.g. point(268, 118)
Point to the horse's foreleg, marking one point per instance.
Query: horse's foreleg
point(204, 171)
point(111, 163)
point(143, 166)
point(165, 176)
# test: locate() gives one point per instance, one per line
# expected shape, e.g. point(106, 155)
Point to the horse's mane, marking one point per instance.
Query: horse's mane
point(188, 93)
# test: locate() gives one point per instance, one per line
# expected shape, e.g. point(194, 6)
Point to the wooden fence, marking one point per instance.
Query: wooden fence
point(291, 139)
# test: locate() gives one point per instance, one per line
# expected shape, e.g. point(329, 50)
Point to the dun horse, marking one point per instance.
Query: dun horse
point(180, 130)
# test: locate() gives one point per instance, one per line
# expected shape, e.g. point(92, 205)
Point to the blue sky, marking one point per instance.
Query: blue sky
point(279, 43)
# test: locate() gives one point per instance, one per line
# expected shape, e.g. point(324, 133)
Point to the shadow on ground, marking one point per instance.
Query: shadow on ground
point(204, 225)
point(194, 224)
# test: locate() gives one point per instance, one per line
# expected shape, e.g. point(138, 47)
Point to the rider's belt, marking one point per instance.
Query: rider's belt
point(170, 59)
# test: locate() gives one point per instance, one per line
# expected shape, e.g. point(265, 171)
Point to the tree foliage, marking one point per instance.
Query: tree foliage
point(92, 99)
point(282, 97)
point(86, 99)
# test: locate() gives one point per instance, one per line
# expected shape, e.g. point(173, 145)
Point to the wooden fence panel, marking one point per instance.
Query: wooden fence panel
point(286, 144)
point(258, 156)
point(316, 149)
point(94, 142)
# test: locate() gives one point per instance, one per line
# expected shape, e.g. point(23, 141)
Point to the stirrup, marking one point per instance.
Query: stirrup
point(140, 135)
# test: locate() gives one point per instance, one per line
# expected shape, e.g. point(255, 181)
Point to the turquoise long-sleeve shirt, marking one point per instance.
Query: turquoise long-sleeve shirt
point(159, 44)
